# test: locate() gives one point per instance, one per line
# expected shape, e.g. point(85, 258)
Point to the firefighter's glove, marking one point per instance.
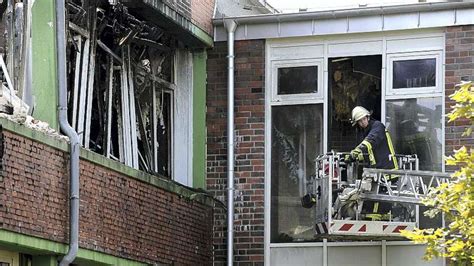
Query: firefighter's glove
point(308, 200)
point(348, 158)
point(356, 154)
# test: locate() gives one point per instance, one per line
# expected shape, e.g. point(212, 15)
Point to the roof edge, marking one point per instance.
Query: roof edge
point(344, 13)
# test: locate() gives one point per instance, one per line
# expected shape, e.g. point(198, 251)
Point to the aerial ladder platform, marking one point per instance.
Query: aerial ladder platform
point(339, 190)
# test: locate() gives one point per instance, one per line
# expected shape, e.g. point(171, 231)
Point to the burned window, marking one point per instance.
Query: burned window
point(121, 86)
point(297, 80)
point(416, 73)
point(154, 143)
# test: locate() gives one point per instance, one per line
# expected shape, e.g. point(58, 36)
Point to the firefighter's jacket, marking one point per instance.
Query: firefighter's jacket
point(375, 141)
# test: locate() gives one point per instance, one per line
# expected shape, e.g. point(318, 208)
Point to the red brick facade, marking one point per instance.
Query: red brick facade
point(249, 154)
point(119, 215)
point(201, 14)
point(459, 66)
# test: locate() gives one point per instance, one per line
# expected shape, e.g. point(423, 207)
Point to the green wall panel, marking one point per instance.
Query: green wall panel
point(44, 83)
point(199, 119)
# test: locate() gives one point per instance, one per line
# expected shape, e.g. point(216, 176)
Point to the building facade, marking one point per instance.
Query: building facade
point(297, 78)
point(136, 97)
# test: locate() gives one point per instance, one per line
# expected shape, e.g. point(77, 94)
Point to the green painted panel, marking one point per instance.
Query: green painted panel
point(45, 251)
point(199, 119)
point(203, 36)
point(44, 83)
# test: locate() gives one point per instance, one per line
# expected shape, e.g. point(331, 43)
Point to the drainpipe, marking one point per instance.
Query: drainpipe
point(69, 131)
point(230, 25)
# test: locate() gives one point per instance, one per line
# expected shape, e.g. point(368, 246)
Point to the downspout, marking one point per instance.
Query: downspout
point(230, 25)
point(69, 131)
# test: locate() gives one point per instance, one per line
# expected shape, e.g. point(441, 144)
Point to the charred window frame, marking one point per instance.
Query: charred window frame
point(163, 128)
point(121, 86)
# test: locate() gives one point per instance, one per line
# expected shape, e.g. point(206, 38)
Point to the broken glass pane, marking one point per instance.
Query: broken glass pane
point(296, 141)
point(296, 80)
point(415, 73)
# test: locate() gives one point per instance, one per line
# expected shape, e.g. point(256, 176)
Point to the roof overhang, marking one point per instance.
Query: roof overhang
point(372, 19)
point(168, 19)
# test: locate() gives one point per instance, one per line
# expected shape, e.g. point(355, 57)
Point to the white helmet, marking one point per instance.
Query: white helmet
point(358, 113)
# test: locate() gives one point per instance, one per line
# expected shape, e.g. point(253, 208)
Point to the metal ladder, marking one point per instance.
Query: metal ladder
point(405, 195)
point(412, 185)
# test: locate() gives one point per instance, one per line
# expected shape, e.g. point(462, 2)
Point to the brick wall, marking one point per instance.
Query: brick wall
point(249, 129)
point(459, 66)
point(198, 11)
point(119, 215)
point(202, 12)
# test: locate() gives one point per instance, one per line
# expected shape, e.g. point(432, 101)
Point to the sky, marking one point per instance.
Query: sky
point(313, 5)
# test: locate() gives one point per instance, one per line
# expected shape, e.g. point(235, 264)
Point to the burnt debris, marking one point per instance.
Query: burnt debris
point(120, 84)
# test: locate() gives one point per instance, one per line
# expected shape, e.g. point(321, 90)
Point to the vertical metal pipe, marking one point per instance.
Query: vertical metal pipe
point(329, 184)
point(230, 26)
point(69, 131)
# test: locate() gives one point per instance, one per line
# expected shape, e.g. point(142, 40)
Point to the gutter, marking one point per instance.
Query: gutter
point(345, 13)
point(69, 131)
point(230, 26)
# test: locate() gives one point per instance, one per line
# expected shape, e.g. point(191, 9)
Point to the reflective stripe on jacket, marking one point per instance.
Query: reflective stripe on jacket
point(376, 142)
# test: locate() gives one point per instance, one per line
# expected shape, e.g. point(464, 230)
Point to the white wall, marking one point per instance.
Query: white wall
point(182, 135)
point(353, 254)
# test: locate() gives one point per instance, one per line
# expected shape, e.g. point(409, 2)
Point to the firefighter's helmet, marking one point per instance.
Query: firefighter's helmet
point(358, 113)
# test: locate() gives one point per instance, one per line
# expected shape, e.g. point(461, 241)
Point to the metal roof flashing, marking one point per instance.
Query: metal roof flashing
point(365, 19)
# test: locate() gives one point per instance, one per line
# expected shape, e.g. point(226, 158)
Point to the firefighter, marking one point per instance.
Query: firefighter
point(374, 142)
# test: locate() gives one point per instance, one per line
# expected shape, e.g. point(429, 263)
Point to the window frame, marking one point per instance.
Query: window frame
point(9, 257)
point(391, 58)
point(300, 97)
point(159, 91)
point(418, 97)
point(321, 146)
point(393, 44)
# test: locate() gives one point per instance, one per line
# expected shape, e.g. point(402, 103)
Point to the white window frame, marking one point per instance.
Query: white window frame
point(299, 97)
point(429, 42)
point(391, 58)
